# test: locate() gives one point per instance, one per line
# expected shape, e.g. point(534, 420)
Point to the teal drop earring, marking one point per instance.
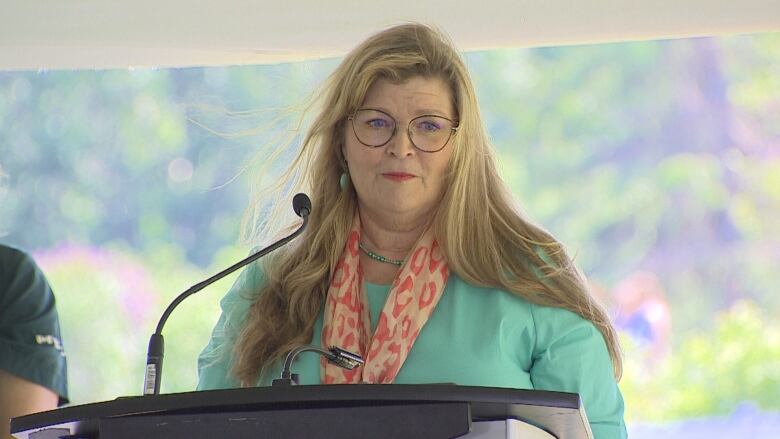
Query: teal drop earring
point(344, 180)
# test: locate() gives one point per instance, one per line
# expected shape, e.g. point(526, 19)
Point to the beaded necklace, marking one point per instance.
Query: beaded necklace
point(380, 258)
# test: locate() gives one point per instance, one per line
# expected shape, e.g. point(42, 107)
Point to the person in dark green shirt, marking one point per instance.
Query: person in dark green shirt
point(33, 372)
point(416, 257)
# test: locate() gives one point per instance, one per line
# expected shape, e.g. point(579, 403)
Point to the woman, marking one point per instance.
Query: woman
point(415, 257)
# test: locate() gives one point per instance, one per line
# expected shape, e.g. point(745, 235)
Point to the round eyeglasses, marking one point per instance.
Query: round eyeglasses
point(428, 133)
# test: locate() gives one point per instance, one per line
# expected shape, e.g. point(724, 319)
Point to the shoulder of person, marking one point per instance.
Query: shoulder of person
point(15, 263)
point(252, 278)
point(23, 285)
point(244, 291)
point(30, 345)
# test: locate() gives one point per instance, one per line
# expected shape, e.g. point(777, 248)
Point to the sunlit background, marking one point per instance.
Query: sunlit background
point(656, 163)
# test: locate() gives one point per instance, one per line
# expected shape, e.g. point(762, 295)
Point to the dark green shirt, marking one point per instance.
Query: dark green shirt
point(30, 345)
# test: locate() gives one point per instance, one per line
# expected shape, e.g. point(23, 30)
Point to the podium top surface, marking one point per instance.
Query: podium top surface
point(558, 412)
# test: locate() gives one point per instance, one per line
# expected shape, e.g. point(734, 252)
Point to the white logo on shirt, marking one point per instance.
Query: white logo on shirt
point(50, 340)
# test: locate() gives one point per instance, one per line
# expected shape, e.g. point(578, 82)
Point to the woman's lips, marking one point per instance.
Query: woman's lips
point(397, 176)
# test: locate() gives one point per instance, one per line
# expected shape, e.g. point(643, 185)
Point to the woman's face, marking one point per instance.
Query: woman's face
point(398, 178)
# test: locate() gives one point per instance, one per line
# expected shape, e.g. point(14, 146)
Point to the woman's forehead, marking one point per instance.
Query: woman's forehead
point(417, 94)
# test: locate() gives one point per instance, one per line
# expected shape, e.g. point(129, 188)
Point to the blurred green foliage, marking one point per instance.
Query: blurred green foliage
point(110, 300)
point(709, 372)
point(661, 156)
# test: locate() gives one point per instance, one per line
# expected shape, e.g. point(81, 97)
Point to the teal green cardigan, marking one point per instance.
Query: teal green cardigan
point(475, 337)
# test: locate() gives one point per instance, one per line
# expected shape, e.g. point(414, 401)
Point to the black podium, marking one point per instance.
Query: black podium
point(328, 411)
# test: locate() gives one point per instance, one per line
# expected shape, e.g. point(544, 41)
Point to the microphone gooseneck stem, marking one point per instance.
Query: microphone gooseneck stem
point(155, 352)
point(199, 286)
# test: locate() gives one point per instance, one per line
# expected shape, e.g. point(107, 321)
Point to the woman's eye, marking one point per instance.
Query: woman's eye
point(428, 126)
point(378, 123)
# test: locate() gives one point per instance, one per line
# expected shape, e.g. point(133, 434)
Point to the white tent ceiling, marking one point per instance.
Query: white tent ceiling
point(66, 34)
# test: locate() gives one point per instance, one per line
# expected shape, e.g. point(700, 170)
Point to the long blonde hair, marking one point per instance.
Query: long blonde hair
point(486, 240)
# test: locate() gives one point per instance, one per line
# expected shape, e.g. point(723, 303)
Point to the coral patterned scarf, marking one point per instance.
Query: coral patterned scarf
point(413, 296)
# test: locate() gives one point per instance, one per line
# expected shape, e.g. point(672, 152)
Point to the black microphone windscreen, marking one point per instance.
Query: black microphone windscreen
point(301, 204)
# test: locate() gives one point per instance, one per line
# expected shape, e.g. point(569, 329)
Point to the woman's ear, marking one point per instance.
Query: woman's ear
point(343, 142)
point(342, 157)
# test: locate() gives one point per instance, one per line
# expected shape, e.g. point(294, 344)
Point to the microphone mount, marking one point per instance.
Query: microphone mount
point(334, 355)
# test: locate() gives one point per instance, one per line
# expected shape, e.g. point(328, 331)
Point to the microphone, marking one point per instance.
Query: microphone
point(301, 205)
point(154, 355)
point(334, 355)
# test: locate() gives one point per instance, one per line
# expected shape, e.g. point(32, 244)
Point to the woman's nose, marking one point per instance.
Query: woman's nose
point(400, 144)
